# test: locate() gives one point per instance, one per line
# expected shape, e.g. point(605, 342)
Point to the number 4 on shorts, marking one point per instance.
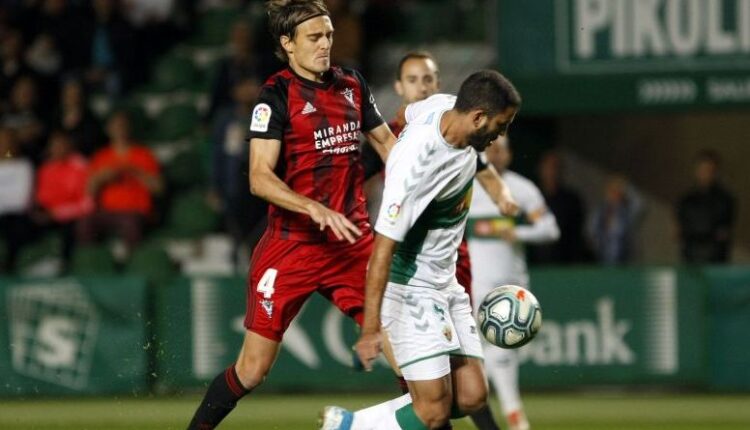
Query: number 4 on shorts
point(265, 285)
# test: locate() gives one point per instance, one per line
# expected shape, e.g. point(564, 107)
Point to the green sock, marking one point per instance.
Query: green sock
point(408, 419)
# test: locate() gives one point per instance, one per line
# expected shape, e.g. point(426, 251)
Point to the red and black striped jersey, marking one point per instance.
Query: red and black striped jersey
point(318, 125)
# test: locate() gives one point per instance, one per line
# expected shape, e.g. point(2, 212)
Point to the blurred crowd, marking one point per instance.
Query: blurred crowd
point(703, 217)
point(65, 170)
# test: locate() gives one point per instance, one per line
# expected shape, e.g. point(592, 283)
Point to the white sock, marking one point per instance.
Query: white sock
point(380, 417)
point(502, 369)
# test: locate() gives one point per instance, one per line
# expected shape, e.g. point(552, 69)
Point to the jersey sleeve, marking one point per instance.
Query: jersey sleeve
point(533, 200)
point(269, 115)
point(371, 160)
point(409, 187)
point(371, 117)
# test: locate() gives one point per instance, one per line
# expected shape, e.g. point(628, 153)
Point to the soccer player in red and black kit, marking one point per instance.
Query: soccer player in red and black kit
point(417, 78)
point(305, 161)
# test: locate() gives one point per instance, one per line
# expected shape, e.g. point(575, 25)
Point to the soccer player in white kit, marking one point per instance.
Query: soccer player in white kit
point(496, 244)
point(411, 289)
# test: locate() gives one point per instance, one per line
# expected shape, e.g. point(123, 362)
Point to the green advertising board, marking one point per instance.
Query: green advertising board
point(200, 327)
point(729, 304)
point(630, 326)
point(594, 56)
point(635, 326)
point(73, 336)
point(617, 326)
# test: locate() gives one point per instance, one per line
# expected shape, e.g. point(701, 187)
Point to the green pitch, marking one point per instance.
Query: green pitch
point(297, 412)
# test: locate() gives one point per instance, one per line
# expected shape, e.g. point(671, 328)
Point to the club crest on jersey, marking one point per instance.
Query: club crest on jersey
point(261, 118)
point(349, 95)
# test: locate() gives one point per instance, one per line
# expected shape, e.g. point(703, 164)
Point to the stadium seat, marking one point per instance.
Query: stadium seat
point(174, 72)
point(150, 259)
point(92, 259)
point(176, 122)
point(45, 247)
point(185, 170)
point(214, 26)
point(139, 121)
point(190, 216)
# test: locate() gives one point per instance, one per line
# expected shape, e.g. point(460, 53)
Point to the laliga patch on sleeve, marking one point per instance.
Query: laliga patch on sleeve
point(261, 118)
point(392, 212)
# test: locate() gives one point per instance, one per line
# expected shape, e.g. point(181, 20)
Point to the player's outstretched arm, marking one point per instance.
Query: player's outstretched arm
point(542, 227)
point(498, 191)
point(370, 341)
point(382, 140)
point(264, 183)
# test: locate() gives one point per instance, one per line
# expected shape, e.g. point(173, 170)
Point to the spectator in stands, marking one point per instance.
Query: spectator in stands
point(115, 62)
point(75, 117)
point(16, 185)
point(24, 118)
point(67, 24)
point(614, 222)
point(240, 64)
point(567, 207)
point(61, 194)
point(12, 64)
point(229, 172)
point(44, 57)
point(347, 51)
point(153, 22)
point(124, 177)
point(706, 214)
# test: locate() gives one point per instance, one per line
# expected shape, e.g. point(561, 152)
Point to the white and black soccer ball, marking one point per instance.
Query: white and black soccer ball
point(509, 316)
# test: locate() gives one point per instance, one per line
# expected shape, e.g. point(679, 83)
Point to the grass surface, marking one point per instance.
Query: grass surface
point(292, 412)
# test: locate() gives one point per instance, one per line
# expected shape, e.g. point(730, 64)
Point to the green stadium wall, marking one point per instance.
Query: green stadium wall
point(661, 326)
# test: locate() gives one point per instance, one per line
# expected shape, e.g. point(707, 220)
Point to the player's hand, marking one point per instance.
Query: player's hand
point(507, 204)
point(368, 348)
point(507, 234)
point(341, 227)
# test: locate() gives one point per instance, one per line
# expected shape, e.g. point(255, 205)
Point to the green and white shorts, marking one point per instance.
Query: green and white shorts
point(426, 326)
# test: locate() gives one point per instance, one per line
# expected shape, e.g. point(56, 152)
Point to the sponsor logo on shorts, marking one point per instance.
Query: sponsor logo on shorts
point(448, 333)
point(267, 306)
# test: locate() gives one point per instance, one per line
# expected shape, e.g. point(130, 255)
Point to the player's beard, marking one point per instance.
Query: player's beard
point(481, 138)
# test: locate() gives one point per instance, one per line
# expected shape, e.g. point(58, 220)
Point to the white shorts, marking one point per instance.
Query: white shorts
point(426, 326)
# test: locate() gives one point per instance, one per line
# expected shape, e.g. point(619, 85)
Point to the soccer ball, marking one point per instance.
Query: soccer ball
point(510, 316)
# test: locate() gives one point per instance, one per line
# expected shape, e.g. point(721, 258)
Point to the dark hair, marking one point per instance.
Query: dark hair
point(285, 15)
point(708, 155)
point(60, 132)
point(420, 55)
point(489, 91)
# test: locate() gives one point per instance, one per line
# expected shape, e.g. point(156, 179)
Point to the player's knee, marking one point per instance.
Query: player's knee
point(472, 399)
point(252, 373)
point(434, 413)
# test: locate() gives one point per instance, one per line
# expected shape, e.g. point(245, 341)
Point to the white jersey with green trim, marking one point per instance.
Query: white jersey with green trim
point(426, 198)
point(493, 260)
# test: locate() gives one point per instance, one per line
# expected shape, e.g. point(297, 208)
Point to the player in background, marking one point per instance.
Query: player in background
point(417, 78)
point(412, 293)
point(305, 161)
point(497, 245)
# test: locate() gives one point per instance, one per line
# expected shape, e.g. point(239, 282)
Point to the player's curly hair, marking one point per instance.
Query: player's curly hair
point(285, 15)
